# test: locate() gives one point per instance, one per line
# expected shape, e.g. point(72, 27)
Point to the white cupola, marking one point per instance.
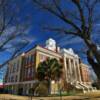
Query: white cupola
point(51, 44)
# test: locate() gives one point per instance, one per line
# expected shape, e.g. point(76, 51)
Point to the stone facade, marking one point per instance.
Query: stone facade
point(84, 73)
point(21, 73)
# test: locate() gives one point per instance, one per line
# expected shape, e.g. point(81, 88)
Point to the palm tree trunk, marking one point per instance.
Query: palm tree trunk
point(49, 86)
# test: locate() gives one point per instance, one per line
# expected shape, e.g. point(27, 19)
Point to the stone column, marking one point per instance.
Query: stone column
point(70, 69)
point(75, 70)
point(79, 74)
point(37, 59)
point(65, 67)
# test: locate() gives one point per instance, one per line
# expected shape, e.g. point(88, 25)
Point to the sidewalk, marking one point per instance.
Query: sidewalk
point(11, 97)
point(87, 96)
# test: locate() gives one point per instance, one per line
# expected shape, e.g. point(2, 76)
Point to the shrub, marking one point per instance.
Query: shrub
point(31, 91)
point(41, 90)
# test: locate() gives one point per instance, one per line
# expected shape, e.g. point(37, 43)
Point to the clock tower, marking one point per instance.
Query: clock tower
point(51, 44)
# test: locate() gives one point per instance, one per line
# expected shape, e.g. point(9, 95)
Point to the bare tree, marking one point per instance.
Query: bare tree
point(12, 28)
point(79, 19)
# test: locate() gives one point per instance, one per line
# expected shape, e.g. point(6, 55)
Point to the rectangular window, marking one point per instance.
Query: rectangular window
point(9, 79)
point(17, 66)
point(16, 78)
point(14, 67)
point(11, 68)
point(32, 59)
point(26, 61)
point(33, 71)
point(12, 79)
point(29, 71)
point(25, 75)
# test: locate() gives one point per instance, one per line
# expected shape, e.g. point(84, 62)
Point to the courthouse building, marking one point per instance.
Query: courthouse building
point(21, 72)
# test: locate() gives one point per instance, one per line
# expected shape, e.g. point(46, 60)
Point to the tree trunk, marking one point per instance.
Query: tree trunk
point(95, 64)
point(94, 50)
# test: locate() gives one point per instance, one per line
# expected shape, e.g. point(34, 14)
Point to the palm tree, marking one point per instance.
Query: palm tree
point(51, 69)
point(41, 71)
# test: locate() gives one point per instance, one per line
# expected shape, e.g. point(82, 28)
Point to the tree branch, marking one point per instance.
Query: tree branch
point(13, 55)
point(58, 15)
point(61, 30)
point(77, 3)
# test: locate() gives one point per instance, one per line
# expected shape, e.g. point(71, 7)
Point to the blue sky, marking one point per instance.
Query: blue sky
point(38, 36)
